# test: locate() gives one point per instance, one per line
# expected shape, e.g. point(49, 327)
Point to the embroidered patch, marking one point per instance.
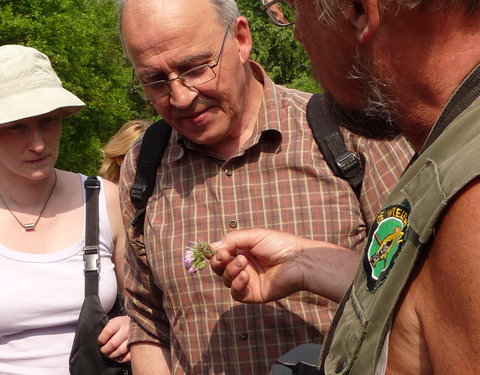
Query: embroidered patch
point(385, 241)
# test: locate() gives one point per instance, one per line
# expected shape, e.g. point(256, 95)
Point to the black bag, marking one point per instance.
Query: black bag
point(85, 356)
point(301, 360)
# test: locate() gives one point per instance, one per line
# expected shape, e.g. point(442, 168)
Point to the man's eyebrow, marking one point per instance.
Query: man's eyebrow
point(198, 58)
point(185, 63)
point(146, 74)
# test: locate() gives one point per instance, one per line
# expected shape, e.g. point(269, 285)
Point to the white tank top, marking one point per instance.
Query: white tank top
point(40, 299)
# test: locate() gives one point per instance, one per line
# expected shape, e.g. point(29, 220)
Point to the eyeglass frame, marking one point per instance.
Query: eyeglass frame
point(138, 89)
point(266, 8)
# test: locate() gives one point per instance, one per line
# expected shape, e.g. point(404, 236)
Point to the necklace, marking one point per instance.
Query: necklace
point(31, 226)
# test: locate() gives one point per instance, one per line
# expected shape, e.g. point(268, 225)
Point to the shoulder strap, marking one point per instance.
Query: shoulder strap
point(326, 132)
point(91, 256)
point(154, 142)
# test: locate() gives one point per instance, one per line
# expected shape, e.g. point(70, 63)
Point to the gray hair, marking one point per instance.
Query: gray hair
point(377, 103)
point(328, 10)
point(226, 11)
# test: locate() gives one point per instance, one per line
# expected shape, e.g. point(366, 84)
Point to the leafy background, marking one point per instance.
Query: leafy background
point(81, 39)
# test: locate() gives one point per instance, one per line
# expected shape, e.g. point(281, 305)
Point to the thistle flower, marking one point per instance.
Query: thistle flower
point(195, 256)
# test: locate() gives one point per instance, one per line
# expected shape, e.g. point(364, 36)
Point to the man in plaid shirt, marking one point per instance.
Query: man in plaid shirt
point(241, 155)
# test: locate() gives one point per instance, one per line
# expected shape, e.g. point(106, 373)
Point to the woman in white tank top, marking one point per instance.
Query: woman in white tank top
point(42, 216)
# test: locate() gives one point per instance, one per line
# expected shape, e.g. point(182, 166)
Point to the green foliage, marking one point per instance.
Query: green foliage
point(276, 50)
point(80, 37)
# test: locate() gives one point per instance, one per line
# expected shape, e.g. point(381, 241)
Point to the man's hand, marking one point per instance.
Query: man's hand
point(261, 265)
point(113, 339)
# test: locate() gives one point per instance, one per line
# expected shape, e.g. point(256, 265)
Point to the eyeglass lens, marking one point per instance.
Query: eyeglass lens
point(194, 77)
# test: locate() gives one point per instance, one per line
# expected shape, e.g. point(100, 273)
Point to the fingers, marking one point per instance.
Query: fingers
point(114, 339)
point(227, 266)
point(237, 278)
point(233, 269)
point(233, 243)
point(241, 240)
point(239, 288)
point(121, 354)
point(220, 260)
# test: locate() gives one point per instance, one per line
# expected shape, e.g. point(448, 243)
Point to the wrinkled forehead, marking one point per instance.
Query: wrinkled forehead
point(164, 15)
point(165, 26)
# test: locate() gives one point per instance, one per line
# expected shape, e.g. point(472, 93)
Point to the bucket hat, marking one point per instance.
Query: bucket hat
point(29, 86)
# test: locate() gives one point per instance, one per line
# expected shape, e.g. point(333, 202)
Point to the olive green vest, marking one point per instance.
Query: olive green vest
point(402, 230)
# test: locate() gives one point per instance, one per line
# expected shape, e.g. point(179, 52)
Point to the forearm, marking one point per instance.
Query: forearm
point(149, 358)
point(261, 265)
point(328, 271)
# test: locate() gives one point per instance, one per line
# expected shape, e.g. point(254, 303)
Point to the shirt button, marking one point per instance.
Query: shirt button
point(340, 365)
point(228, 172)
point(244, 335)
point(233, 224)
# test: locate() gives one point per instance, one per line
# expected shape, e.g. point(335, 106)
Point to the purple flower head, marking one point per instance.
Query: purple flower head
point(194, 259)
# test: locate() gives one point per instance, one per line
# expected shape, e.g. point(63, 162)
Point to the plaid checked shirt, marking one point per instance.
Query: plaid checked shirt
point(278, 180)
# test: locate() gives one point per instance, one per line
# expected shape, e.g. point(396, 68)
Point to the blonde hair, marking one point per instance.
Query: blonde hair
point(118, 146)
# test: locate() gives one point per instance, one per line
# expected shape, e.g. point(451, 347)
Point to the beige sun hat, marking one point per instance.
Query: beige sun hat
point(29, 86)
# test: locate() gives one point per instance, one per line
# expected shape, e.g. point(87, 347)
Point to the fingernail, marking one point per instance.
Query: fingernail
point(238, 262)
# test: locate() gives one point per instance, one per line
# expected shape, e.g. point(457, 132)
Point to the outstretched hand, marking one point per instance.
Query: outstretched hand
point(261, 265)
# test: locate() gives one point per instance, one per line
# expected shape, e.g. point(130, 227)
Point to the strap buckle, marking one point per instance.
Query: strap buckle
point(92, 183)
point(137, 194)
point(91, 259)
point(347, 162)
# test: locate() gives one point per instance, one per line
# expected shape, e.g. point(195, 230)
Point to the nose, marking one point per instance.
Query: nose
point(36, 141)
point(181, 96)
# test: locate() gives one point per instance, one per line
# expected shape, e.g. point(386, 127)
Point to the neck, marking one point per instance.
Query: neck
point(23, 194)
point(442, 49)
point(28, 223)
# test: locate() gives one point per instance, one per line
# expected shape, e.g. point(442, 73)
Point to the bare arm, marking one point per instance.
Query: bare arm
point(262, 265)
point(114, 337)
point(450, 280)
point(149, 358)
point(118, 231)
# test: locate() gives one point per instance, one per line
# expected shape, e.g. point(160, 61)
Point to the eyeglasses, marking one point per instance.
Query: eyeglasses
point(193, 77)
point(280, 12)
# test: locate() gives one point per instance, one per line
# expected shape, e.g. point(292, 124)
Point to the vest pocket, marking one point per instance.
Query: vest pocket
point(349, 335)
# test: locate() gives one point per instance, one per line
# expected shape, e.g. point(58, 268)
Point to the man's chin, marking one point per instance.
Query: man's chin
point(360, 123)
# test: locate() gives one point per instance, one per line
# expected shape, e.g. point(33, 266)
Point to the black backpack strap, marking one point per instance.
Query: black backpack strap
point(85, 356)
point(154, 142)
point(91, 255)
point(327, 135)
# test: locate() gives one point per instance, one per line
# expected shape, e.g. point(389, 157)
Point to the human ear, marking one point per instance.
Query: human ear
point(364, 16)
point(243, 38)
